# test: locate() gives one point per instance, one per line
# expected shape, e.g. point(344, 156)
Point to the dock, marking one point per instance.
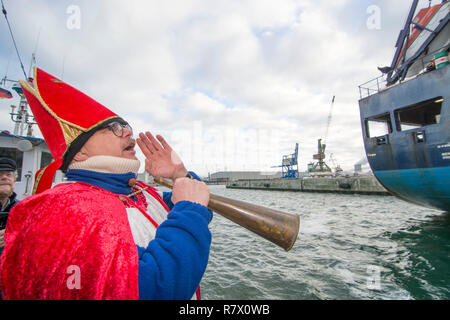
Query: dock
point(346, 185)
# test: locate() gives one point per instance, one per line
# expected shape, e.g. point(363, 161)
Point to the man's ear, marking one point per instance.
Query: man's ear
point(80, 156)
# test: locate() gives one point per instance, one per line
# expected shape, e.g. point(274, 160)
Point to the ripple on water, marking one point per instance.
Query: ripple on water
point(349, 247)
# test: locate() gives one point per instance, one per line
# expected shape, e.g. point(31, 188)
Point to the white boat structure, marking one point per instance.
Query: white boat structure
point(30, 153)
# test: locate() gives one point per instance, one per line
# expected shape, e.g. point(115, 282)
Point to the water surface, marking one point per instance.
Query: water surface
point(349, 247)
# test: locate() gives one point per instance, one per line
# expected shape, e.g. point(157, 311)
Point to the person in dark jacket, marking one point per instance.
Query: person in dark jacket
point(8, 172)
point(8, 199)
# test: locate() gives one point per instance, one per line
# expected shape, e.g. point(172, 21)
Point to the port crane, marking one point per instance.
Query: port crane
point(320, 165)
point(289, 165)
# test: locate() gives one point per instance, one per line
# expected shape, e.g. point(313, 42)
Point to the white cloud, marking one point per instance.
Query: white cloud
point(256, 76)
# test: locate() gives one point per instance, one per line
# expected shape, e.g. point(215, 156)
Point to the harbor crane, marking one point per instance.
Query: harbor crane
point(320, 165)
point(289, 165)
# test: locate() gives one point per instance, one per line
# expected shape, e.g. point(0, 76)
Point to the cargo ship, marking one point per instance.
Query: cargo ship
point(405, 113)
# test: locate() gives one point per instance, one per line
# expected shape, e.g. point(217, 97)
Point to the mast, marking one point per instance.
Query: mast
point(404, 34)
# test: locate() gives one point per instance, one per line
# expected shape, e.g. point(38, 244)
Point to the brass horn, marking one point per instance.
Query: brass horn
point(279, 227)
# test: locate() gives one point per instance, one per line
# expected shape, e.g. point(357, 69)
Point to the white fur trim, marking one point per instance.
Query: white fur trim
point(107, 164)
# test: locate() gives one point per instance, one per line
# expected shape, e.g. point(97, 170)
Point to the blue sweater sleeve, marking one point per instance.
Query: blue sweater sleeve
point(173, 264)
point(167, 196)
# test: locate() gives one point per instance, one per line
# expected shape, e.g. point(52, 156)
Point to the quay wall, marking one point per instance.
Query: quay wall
point(348, 185)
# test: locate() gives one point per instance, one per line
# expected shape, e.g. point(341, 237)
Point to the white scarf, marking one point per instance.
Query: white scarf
point(107, 164)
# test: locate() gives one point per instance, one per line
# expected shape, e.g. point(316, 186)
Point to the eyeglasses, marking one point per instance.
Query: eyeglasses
point(117, 128)
point(8, 174)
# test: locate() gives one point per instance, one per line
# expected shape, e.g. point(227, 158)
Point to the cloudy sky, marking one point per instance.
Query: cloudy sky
point(231, 85)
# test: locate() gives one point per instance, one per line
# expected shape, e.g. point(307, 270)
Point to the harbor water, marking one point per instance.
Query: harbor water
point(349, 247)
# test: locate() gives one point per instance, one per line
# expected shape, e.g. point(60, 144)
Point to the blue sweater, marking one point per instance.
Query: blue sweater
point(174, 262)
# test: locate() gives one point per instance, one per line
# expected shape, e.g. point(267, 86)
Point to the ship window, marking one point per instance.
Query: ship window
point(16, 155)
point(378, 126)
point(419, 115)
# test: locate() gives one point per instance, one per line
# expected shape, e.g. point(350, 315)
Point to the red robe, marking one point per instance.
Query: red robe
point(72, 232)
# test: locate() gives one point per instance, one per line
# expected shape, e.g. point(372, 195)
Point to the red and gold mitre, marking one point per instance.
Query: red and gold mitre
point(65, 116)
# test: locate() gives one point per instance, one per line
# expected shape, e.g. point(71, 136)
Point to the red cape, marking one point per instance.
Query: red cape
point(70, 233)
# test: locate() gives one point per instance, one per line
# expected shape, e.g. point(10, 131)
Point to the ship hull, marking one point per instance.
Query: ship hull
point(426, 186)
point(412, 163)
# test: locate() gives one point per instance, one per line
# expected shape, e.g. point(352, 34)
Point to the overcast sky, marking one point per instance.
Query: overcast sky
point(231, 85)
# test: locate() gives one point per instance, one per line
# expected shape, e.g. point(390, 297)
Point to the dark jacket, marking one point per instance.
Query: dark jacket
point(4, 212)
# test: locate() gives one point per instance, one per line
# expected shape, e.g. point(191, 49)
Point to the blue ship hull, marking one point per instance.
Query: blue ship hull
point(427, 186)
point(413, 163)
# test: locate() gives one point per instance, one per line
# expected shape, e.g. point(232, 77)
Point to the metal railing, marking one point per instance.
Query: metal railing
point(372, 86)
point(376, 85)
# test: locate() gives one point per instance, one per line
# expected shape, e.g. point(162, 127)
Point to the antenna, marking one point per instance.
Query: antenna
point(9, 60)
point(33, 55)
point(12, 36)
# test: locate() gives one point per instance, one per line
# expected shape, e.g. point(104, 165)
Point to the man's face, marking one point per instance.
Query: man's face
point(106, 143)
point(7, 180)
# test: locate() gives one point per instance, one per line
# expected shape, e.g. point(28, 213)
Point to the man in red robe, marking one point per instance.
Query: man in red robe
point(102, 234)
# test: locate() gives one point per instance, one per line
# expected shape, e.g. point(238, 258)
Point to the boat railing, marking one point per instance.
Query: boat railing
point(424, 64)
point(372, 86)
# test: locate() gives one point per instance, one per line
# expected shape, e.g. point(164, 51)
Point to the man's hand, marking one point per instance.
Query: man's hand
point(185, 189)
point(161, 160)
